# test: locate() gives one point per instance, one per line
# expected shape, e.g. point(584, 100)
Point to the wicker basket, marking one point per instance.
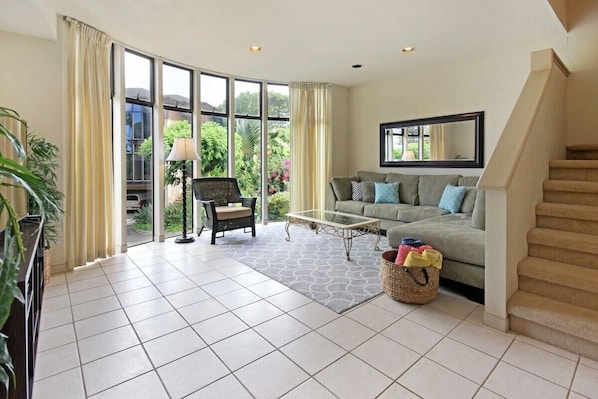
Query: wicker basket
point(400, 282)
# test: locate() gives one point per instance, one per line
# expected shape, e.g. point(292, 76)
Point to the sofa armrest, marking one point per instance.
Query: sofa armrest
point(330, 198)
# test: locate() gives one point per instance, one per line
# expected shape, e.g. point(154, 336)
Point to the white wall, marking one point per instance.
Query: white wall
point(490, 83)
point(582, 89)
point(31, 82)
point(340, 130)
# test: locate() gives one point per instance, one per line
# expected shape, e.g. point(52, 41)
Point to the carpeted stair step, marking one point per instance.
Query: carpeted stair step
point(582, 151)
point(564, 246)
point(567, 217)
point(572, 284)
point(571, 192)
point(574, 170)
point(568, 326)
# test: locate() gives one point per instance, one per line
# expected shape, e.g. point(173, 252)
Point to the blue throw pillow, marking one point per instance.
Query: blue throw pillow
point(387, 193)
point(452, 197)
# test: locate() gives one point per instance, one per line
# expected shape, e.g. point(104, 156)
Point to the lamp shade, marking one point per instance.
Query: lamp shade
point(183, 149)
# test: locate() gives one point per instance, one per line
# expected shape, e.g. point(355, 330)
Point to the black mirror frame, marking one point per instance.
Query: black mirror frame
point(477, 162)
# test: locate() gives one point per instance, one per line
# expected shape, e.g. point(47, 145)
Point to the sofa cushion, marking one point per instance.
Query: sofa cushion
point(350, 206)
point(371, 176)
point(412, 213)
point(478, 218)
point(469, 200)
point(386, 193)
point(356, 191)
point(468, 180)
point(383, 211)
point(450, 234)
point(452, 197)
point(431, 187)
point(407, 187)
point(369, 191)
point(342, 187)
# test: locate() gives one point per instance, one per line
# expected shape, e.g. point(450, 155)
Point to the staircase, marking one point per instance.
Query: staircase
point(557, 301)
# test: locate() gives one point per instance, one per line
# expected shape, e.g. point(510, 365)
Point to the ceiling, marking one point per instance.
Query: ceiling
point(302, 40)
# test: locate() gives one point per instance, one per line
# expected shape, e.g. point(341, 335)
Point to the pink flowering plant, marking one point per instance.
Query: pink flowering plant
point(278, 180)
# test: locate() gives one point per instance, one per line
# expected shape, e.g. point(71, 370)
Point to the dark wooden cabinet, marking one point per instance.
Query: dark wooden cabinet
point(22, 327)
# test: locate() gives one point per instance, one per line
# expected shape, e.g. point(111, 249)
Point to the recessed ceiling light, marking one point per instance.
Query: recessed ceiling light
point(408, 49)
point(255, 49)
point(356, 66)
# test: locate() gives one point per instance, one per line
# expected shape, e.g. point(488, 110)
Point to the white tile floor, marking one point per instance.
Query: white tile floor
point(174, 321)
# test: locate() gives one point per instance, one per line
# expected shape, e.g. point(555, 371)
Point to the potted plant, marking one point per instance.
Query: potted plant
point(42, 161)
point(14, 173)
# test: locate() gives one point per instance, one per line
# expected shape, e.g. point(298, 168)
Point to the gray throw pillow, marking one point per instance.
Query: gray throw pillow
point(369, 191)
point(342, 187)
point(478, 218)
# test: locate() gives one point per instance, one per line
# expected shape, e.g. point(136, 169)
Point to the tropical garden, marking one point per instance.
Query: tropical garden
point(214, 158)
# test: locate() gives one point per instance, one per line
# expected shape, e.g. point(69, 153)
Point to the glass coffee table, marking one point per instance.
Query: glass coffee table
point(342, 225)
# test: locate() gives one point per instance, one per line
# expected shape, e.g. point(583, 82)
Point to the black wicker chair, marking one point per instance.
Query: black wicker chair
point(217, 194)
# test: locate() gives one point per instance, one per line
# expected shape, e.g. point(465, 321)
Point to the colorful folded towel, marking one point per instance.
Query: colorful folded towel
point(405, 249)
point(429, 257)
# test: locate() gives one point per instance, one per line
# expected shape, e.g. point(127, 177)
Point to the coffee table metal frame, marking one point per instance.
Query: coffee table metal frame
point(338, 224)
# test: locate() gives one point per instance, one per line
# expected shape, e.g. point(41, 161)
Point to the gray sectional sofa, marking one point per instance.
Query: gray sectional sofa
point(460, 236)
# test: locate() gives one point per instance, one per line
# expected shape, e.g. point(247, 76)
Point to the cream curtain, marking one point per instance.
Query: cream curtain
point(88, 204)
point(310, 145)
point(437, 142)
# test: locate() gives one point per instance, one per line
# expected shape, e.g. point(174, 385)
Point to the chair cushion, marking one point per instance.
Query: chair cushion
point(232, 212)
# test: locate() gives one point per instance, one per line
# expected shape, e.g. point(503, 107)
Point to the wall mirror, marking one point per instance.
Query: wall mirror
point(452, 141)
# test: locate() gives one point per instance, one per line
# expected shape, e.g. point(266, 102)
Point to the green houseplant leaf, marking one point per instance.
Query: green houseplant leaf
point(42, 161)
point(16, 174)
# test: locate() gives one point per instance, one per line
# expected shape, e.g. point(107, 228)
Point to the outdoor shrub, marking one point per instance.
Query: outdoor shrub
point(143, 218)
point(279, 205)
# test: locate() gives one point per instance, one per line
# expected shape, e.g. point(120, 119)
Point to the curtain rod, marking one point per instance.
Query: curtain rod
point(71, 19)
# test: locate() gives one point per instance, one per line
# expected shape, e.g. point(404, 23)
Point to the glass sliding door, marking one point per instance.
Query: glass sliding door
point(139, 130)
point(177, 123)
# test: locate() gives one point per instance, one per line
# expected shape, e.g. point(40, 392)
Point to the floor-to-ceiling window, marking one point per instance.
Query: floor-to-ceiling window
point(138, 124)
point(244, 128)
point(178, 106)
point(214, 125)
point(248, 140)
point(278, 151)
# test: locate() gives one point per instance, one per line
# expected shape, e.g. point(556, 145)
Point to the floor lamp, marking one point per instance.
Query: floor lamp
point(183, 149)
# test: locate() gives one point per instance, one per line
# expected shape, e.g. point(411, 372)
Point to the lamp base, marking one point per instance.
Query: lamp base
point(184, 240)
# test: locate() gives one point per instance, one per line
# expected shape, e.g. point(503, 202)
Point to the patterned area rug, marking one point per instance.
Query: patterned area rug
point(311, 264)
